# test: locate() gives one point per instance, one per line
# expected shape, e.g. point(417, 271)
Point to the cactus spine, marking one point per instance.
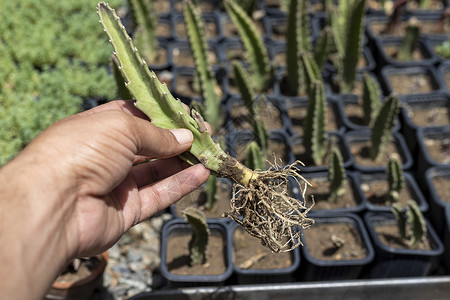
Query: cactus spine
point(410, 40)
point(371, 98)
point(261, 69)
point(196, 34)
point(200, 235)
point(411, 223)
point(382, 127)
point(395, 177)
point(336, 174)
point(145, 16)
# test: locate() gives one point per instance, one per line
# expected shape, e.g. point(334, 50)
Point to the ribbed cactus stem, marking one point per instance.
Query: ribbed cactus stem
point(122, 91)
point(200, 235)
point(371, 98)
point(396, 181)
point(254, 157)
point(211, 192)
point(208, 84)
point(242, 81)
point(399, 212)
point(336, 174)
point(382, 127)
point(409, 41)
point(145, 37)
point(258, 57)
point(323, 46)
point(418, 227)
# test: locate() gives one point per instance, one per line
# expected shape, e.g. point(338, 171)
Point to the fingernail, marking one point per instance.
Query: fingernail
point(183, 136)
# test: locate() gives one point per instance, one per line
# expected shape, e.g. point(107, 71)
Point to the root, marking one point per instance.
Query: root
point(266, 210)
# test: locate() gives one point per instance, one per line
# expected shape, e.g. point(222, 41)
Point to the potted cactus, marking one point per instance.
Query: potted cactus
point(405, 244)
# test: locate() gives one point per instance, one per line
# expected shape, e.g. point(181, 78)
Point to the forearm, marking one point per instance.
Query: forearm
point(30, 234)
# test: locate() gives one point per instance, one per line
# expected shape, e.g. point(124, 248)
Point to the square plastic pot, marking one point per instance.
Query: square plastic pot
point(438, 205)
point(393, 262)
point(447, 237)
point(432, 136)
point(176, 227)
point(444, 73)
point(258, 275)
point(313, 269)
point(210, 19)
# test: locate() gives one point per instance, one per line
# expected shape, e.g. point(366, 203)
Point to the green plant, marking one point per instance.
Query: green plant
point(145, 17)
point(409, 42)
point(411, 223)
point(262, 205)
point(254, 158)
point(443, 49)
point(396, 181)
point(382, 127)
point(371, 98)
point(336, 174)
point(347, 24)
point(200, 235)
point(208, 84)
point(211, 192)
point(262, 72)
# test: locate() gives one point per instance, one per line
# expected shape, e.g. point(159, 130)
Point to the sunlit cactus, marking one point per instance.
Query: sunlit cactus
point(200, 235)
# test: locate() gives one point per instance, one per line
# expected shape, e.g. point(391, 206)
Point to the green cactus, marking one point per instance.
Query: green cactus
point(409, 42)
point(347, 23)
point(411, 223)
point(122, 91)
point(254, 158)
point(211, 192)
point(145, 16)
point(443, 49)
point(208, 84)
point(323, 46)
point(249, 6)
point(298, 39)
point(200, 235)
point(382, 127)
point(261, 69)
point(259, 130)
point(371, 98)
point(395, 177)
point(336, 174)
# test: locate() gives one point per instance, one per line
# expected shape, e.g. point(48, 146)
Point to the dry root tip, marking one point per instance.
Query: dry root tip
point(266, 210)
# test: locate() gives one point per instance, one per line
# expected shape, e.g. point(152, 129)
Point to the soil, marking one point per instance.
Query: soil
point(428, 115)
point(361, 153)
point(186, 86)
point(426, 27)
point(298, 115)
point(248, 253)
point(269, 114)
point(70, 276)
point(376, 192)
point(230, 30)
point(163, 30)
point(390, 236)
point(319, 241)
point(392, 50)
point(403, 84)
point(184, 57)
point(238, 54)
point(202, 6)
point(162, 7)
point(438, 149)
point(411, 5)
point(178, 260)
point(277, 149)
point(442, 186)
point(355, 113)
point(197, 198)
point(300, 154)
point(447, 79)
point(210, 26)
point(320, 189)
point(160, 58)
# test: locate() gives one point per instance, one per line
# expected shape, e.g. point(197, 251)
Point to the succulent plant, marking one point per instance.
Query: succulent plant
point(336, 174)
point(371, 98)
point(410, 222)
point(409, 41)
point(146, 19)
point(396, 181)
point(200, 235)
point(254, 158)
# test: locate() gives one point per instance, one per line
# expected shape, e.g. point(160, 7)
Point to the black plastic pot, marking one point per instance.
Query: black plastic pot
point(176, 47)
point(333, 88)
point(312, 269)
point(354, 122)
point(410, 184)
point(368, 66)
point(444, 72)
point(209, 19)
point(163, 46)
point(358, 136)
point(347, 158)
point(281, 274)
point(428, 106)
point(382, 46)
point(409, 73)
point(392, 262)
point(437, 204)
point(176, 227)
point(432, 136)
point(447, 237)
point(318, 178)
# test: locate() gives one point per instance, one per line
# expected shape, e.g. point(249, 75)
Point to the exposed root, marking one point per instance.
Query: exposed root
point(265, 209)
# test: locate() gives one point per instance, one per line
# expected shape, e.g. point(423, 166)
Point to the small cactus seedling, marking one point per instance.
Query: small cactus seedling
point(336, 174)
point(254, 158)
point(260, 66)
point(371, 98)
point(411, 223)
point(211, 192)
point(262, 205)
point(443, 49)
point(208, 84)
point(248, 97)
point(347, 23)
point(409, 42)
point(382, 127)
point(395, 177)
point(200, 235)
point(144, 14)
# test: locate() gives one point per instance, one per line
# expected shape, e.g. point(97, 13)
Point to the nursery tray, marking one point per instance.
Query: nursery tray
point(402, 288)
